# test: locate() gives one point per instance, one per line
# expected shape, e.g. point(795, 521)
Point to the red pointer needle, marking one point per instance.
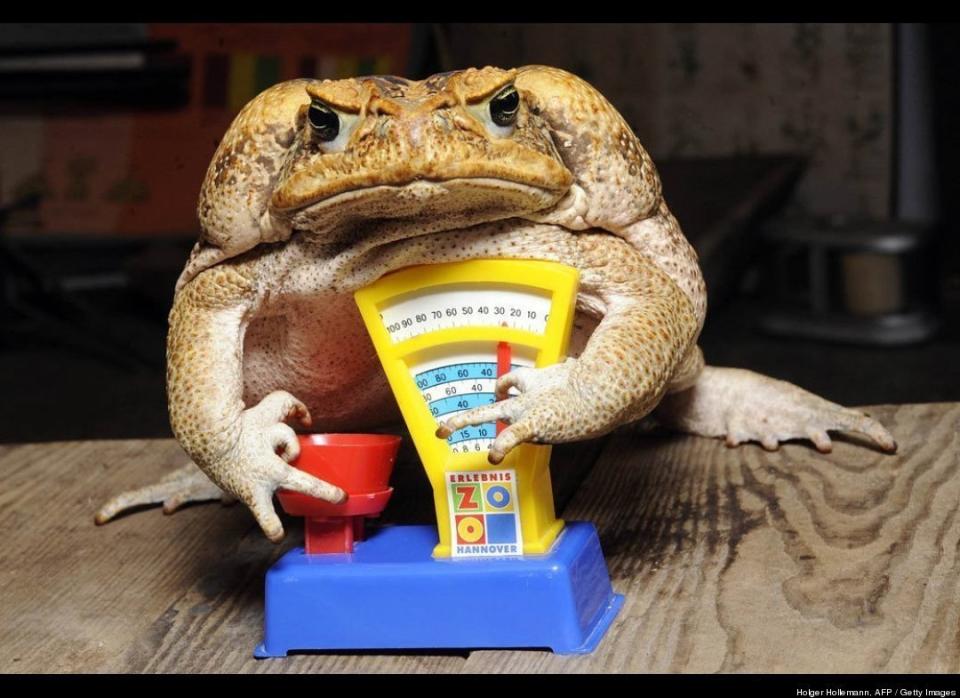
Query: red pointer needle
point(503, 367)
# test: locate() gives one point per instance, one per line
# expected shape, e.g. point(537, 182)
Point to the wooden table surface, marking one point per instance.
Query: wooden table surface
point(731, 560)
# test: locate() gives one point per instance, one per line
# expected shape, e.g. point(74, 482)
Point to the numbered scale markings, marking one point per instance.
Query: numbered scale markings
point(456, 384)
point(463, 379)
point(424, 312)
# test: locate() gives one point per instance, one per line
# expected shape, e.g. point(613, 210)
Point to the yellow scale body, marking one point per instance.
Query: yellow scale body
point(428, 321)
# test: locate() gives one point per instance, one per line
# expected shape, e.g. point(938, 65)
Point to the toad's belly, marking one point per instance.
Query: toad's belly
point(318, 350)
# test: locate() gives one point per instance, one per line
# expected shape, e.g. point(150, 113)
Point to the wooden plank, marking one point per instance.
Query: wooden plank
point(153, 593)
point(739, 560)
point(147, 592)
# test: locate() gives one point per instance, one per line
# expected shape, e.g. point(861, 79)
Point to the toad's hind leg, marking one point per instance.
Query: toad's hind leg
point(742, 406)
point(182, 486)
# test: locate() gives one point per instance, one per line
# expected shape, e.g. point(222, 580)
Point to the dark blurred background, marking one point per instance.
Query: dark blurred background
point(811, 165)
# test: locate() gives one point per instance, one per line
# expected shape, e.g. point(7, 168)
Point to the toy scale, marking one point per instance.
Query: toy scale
point(499, 569)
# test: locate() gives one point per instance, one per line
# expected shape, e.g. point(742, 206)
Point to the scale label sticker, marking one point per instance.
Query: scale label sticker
point(484, 513)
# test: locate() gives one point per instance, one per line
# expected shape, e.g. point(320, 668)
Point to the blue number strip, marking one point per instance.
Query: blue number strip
point(447, 405)
point(450, 404)
point(474, 432)
point(447, 374)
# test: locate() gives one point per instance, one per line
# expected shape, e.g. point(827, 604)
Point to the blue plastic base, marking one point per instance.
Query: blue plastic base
point(391, 594)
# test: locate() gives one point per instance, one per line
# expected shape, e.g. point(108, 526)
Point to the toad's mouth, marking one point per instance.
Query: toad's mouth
point(428, 205)
point(531, 174)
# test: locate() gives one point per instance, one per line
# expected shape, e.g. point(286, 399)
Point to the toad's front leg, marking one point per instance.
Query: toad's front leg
point(244, 451)
point(647, 330)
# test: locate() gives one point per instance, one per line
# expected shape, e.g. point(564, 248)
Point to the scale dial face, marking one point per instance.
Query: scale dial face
point(455, 378)
point(465, 305)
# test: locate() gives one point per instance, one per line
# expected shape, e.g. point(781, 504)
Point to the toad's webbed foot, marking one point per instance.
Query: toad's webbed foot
point(258, 464)
point(550, 407)
point(255, 467)
point(182, 486)
point(743, 406)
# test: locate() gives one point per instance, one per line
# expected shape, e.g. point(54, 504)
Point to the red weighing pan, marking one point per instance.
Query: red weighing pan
point(360, 464)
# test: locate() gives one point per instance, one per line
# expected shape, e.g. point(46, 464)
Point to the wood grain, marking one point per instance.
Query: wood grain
point(739, 560)
point(155, 593)
point(731, 560)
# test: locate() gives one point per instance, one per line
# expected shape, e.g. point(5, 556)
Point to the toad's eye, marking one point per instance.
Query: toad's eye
point(504, 106)
point(323, 120)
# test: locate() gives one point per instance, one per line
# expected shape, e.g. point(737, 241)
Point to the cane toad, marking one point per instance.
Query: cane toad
point(320, 187)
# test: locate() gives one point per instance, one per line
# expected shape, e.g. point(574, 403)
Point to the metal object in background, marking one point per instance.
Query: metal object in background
point(851, 281)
